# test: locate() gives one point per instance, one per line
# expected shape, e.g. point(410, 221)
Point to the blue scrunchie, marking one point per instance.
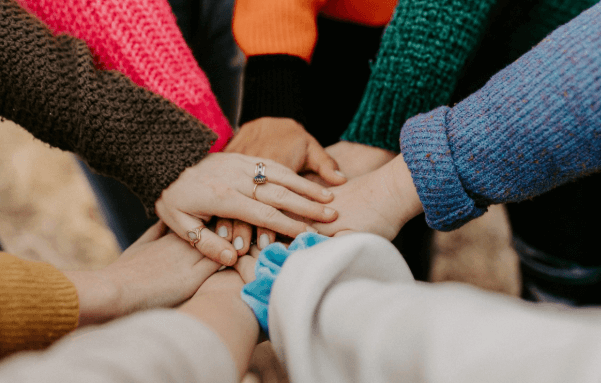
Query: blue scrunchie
point(257, 293)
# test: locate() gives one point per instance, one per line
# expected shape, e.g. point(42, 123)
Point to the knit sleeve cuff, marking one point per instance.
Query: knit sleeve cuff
point(274, 86)
point(38, 305)
point(426, 151)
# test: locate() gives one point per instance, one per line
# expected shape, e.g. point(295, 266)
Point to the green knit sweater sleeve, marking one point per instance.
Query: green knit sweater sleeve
point(422, 53)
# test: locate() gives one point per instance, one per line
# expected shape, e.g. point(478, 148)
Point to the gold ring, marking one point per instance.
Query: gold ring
point(260, 177)
point(255, 192)
point(194, 235)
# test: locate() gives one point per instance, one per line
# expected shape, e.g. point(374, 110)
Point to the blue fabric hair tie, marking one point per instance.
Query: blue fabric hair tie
point(257, 293)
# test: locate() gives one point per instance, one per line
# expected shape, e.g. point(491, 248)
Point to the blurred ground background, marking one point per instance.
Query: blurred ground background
point(47, 210)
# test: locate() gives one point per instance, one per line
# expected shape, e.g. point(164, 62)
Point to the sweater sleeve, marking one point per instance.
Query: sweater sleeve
point(38, 305)
point(534, 126)
point(278, 37)
point(141, 39)
point(50, 86)
point(156, 346)
point(423, 51)
point(357, 315)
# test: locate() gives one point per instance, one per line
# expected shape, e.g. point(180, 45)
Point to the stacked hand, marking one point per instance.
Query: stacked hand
point(222, 185)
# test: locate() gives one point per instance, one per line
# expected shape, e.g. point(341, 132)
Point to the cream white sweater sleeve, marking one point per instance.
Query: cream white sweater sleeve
point(151, 347)
point(348, 310)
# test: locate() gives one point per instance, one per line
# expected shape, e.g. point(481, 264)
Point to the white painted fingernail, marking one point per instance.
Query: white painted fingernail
point(311, 229)
point(238, 243)
point(226, 256)
point(328, 211)
point(222, 232)
point(341, 174)
point(263, 241)
point(326, 192)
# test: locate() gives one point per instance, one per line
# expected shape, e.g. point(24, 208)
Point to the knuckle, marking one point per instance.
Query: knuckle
point(281, 194)
point(267, 214)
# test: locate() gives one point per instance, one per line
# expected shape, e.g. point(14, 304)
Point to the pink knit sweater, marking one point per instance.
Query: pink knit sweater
point(141, 39)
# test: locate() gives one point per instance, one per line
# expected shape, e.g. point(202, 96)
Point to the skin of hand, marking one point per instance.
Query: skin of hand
point(353, 159)
point(357, 159)
point(222, 185)
point(218, 305)
point(158, 270)
point(285, 141)
point(379, 202)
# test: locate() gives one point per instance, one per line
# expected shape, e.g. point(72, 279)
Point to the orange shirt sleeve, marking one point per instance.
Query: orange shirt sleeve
point(267, 27)
point(38, 305)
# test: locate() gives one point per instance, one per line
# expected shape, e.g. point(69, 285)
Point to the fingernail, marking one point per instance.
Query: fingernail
point(222, 232)
point(311, 229)
point(328, 211)
point(263, 241)
point(326, 192)
point(341, 174)
point(226, 256)
point(238, 243)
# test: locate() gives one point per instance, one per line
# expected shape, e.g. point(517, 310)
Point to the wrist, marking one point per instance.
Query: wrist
point(274, 86)
point(99, 296)
point(404, 192)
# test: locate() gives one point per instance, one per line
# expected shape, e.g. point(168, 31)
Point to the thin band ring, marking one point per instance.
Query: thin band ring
point(255, 192)
point(194, 235)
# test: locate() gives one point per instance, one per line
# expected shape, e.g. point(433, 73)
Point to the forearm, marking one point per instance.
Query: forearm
point(120, 129)
point(141, 39)
point(533, 127)
point(422, 53)
point(223, 311)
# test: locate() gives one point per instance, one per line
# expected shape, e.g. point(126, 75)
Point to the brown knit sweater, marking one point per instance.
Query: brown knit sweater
point(49, 86)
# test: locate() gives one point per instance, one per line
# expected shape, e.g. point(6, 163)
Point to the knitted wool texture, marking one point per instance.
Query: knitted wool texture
point(141, 39)
point(49, 86)
point(38, 305)
point(424, 48)
point(534, 126)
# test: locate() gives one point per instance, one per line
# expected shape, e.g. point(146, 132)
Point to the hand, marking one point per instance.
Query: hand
point(286, 141)
point(156, 271)
point(222, 185)
point(218, 305)
point(357, 159)
point(380, 202)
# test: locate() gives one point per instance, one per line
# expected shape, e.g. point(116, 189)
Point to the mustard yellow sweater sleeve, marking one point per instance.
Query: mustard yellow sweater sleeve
point(38, 305)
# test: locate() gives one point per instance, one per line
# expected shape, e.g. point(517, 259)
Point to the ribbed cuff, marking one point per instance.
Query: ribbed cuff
point(38, 305)
point(274, 86)
point(426, 151)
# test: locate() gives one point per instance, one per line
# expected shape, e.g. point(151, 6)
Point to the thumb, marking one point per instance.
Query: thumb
point(320, 162)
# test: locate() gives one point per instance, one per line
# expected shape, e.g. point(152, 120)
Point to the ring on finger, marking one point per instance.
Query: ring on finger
point(194, 235)
point(260, 177)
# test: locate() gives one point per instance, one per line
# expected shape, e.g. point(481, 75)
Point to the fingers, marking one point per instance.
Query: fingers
point(283, 199)
point(264, 237)
point(224, 229)
point(210, 244)
point(281, 175)
point(242, 235)
point(344, 232)
point(205, 268)
point(266, 216)
point(319, 161)
point(246, 268)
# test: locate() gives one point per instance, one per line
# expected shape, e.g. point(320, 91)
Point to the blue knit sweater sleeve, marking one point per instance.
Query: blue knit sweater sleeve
point(534, 126)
